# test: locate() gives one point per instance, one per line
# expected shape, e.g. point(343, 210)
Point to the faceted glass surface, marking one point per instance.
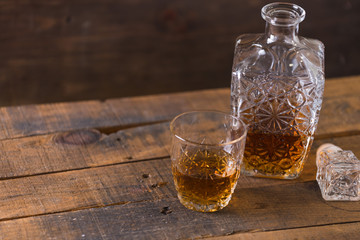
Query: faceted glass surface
point(338, 174)
point(207, 149)
point(276, 89)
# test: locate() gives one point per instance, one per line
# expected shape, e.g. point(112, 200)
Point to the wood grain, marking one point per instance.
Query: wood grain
point(96, 184)
point(46, 118)
point(345, 86)
point(334, 231)
point(108, 116)
point(251, 209)
point(97, 170)
point(86, 188)
point(339, 116)
point(115, 114)
point(57, 152)
point(90, 148)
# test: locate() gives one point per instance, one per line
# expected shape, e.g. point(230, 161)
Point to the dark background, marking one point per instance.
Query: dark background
point(58, 50)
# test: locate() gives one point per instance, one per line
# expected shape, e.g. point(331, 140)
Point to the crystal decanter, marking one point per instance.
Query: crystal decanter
point(276, 89)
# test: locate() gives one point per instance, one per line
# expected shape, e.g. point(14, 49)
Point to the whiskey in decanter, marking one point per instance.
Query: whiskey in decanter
point(276, 89)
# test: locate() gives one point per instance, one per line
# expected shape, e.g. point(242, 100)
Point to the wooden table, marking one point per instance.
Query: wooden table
point(101, 170)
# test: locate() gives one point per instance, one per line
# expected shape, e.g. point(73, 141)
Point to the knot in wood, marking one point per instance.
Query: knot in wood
point(79, 137)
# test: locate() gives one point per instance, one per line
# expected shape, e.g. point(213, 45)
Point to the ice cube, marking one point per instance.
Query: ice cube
point(338, 173)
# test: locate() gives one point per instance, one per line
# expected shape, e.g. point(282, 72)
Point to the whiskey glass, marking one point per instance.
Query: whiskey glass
point(206, 154)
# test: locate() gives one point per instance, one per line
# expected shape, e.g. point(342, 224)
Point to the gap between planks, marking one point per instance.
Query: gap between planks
point(115, 129)
point(106, 132)
point(240, 234)
point(88, 167)
point(32, 120)
point(77, 209)
point(283, 184)
point(100, 205)
point(279, 233)
point(103, 130)
point(244, 212)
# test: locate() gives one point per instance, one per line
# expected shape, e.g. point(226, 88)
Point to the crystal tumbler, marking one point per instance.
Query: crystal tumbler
point(207, 149)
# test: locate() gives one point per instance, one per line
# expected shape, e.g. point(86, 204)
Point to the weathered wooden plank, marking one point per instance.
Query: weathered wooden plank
point(114, 183)
point(81, 149)
point(339, 99)
point(90, 148)
point(339, 116)
point(334, 231)
point(345, 86)
point(251, 209)
point(86, 188)
point(164, 107)
point(119, 113)
point(46, 118)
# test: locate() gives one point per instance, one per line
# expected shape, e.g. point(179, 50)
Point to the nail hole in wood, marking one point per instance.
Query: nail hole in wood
point(166, 210)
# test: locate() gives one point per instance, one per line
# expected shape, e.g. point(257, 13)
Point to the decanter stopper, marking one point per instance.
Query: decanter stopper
point(338, 173)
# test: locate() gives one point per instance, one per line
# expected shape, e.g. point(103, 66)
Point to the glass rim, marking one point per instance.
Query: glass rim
point(243, 125)
point(297, 13)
